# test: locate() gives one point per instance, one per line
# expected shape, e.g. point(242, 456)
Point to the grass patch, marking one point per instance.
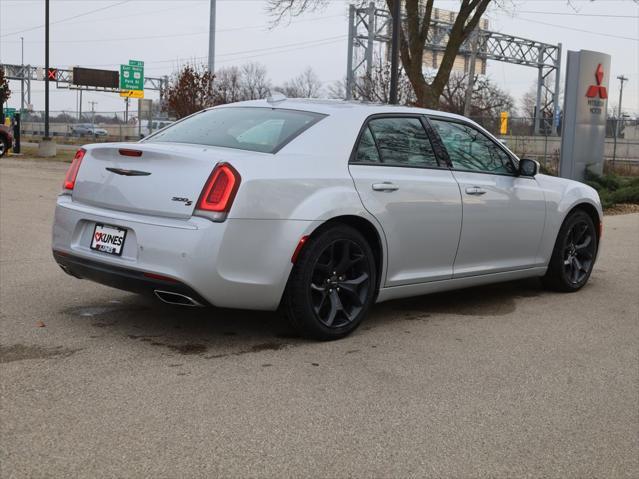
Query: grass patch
point(31, 153)
point(614, 189)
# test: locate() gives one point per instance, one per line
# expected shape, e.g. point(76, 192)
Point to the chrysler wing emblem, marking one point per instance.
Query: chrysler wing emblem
point(122, 171)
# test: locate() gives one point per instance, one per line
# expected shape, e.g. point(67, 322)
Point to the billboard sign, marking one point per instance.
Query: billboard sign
point(95, 78)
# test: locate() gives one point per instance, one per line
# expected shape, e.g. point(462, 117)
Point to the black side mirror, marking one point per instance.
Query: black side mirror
point(528, 167)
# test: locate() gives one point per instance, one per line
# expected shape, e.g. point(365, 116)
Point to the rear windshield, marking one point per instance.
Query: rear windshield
point(254, 129)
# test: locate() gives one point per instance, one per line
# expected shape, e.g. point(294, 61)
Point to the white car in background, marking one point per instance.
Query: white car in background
point(321, 208)
point(147, 128)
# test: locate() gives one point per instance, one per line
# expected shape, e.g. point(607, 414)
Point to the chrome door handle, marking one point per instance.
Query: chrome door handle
point(385, 186)
point(475, 190)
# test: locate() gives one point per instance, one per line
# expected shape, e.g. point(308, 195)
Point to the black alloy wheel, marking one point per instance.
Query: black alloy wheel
point(340, 283)
point(332, 284)
point(574, 254)
point(579, 252)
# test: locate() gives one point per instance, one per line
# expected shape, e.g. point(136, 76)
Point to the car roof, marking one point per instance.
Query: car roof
point(338, 107)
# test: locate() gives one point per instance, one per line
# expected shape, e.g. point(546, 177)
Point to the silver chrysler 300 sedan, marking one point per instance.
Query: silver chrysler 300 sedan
point(321, 208)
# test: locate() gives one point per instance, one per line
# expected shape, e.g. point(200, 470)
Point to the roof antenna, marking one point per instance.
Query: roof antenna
point(276, 97)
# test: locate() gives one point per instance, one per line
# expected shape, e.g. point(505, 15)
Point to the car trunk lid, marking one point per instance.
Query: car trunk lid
point(153, 179)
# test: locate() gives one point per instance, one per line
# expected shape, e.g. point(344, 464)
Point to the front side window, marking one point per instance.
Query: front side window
point(471, 150)
point(254, 129)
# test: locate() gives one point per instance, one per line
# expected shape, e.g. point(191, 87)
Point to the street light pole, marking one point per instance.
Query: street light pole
point(397, 24)
point(623, 79)
point(212, 38)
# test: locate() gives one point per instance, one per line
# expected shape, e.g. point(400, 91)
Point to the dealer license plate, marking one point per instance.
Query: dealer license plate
point(108, 239)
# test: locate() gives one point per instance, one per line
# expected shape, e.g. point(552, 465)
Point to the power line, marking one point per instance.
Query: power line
point(563, 27)
point(575, 14)
point(65, 19)
point(175, 35)
point(277, 47)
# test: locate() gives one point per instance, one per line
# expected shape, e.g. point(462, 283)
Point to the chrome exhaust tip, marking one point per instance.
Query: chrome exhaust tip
point(176, 299)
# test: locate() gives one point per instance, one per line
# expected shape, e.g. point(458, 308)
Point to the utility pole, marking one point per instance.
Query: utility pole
point(471, 72)
point(93, 103)
point(397, 24)
point(622, 79)
point(22, 75)
point(46, 69)
point(212, 38)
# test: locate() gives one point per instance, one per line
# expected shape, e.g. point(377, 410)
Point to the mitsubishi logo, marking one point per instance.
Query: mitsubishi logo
point(598, 90)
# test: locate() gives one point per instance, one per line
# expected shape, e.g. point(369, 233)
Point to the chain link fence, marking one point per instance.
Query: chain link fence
point(621, 152)
point(72, 128)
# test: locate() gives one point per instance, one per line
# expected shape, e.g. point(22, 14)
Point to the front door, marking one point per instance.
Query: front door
point(503, 213)
point(414, 198)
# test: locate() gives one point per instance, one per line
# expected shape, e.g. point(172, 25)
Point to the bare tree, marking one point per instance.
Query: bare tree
point(190, 90)
point(413, 36)
point(306, 85)
point(228, 85)
point(375, 87)
point(336, 90)
point(487, 99)
point(255, 84)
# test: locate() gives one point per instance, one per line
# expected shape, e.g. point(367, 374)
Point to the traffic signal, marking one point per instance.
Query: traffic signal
point(52, 74)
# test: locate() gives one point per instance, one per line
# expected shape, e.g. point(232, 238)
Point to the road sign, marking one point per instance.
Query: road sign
point(132, 79)
point(9, 112)
point(132, 93)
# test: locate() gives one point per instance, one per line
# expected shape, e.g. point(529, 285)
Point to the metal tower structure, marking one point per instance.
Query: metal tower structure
point(370, 28)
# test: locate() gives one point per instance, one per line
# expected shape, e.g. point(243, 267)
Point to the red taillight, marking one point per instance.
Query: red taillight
point(126, 152)
point(220, 189)
point(72, 172)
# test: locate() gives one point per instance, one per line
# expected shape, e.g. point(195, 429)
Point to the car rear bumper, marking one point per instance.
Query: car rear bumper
point(125, 278)
point(240, 263)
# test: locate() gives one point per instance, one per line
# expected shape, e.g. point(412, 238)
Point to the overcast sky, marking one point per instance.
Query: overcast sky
point(166, 33)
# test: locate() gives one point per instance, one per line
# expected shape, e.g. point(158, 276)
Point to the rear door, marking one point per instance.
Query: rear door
point(504, 214)
point(415, 199)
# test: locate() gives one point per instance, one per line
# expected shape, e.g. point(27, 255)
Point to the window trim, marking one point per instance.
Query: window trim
point(441, 165)
point(514, 161)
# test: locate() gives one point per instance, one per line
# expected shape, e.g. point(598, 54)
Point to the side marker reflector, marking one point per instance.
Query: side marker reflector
point(298, 248)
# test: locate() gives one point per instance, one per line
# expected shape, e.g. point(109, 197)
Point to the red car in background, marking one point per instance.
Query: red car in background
point(6, 139)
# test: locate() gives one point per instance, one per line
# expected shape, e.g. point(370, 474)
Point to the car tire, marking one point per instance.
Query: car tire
point(4, 146)
point(574, 254)
point(332, 284)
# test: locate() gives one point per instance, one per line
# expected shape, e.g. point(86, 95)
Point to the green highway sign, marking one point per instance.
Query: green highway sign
point(136, 63)
point(9, 112)
point(132, 76)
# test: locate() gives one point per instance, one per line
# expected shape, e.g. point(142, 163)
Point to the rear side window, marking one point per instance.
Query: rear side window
point(254, 129)
point(396, 141)
point(367, 150)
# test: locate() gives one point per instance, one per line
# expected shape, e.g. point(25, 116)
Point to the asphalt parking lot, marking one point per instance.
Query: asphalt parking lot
point(500, 381)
